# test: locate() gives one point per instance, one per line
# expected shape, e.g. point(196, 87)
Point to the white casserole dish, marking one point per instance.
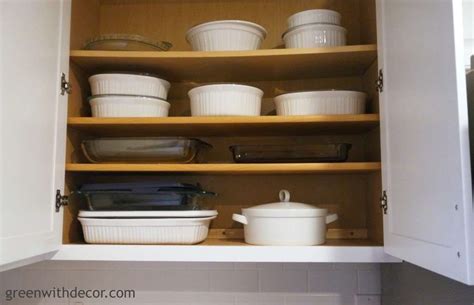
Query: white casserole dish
point(321, 102)
point(128, 106)
point(225, 100)
point(285, 223)
point(314, 16)
point(226, 35)
point(152, 227)
point(129, 84)
point(315, 35)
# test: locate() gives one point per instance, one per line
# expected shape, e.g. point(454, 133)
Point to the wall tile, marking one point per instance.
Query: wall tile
point(260, 299)
point(369, 282)
point(234, 281)
point(283, 280)
point(368, 300)
point(315, 299)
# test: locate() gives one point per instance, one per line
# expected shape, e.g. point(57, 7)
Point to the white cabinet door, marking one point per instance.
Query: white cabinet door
point(34, 49)
point(425, 141)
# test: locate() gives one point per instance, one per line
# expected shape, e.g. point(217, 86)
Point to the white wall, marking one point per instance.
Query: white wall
point(406, 284)
point(206, 283)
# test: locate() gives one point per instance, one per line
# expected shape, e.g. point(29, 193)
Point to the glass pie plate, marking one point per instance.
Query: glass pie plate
point(125, 42)
point(290, 153)
point(143, 150)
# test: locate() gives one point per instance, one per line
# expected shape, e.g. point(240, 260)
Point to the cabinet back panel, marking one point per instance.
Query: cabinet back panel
point(170, 19)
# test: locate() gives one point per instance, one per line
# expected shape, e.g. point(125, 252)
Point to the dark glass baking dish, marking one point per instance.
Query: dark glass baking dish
point(291, 153)
point(142, 196)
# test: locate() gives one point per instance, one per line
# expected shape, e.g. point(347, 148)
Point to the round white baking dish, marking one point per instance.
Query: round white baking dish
point(226, 35)
point(315, 35)
point(321, 102)
point(225, 100)
point(128, 106)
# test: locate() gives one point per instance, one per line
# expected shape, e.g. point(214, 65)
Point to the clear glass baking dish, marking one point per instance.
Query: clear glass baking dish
point(290, 153)
point(142, 196)
point(143, 150)
point(125, 42)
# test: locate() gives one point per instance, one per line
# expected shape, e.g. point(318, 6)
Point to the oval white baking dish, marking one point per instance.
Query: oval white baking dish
point(315, 35)
point(129, 84)
point(285, 223)
point(128, 106)
point(184, 231)
point(226, 35)
point(314, 16)
point(321, 102)
point(225, 100)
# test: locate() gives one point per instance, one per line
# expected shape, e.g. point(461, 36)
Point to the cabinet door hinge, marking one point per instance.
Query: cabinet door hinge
point(61, 200)
point(384, 202)
point(65, 85)
point(379, 82)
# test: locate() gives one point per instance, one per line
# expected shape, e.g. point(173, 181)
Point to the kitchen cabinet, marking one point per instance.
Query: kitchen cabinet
point(412, 146)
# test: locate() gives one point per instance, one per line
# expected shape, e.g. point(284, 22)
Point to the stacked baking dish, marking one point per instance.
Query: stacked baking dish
point(128, 95)
point(315, 28)
point(144, 213)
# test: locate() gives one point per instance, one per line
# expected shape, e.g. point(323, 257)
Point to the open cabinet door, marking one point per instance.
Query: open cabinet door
point(34, 51)
point(425, 142)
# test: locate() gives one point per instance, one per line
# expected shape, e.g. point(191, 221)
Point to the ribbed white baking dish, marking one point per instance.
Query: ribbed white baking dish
point(321, 102)
point(315, 35)
point(128, 106)
point(225, 100)
point(314, 16)
point(129, 84)
point(226, 35)
point(185, 231)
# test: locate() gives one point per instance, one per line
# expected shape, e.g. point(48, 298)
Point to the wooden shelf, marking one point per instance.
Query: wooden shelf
point(231, 168)
point(223, 66)
point(226, 126)
point(334, 251)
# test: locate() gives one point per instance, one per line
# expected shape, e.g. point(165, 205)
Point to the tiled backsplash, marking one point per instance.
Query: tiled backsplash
point(205, 283)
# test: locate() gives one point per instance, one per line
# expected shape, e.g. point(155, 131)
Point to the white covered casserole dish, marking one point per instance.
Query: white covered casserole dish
point(146, 227)
point(285, 223)
point(321, 102)
point(129, 84)
point(226, 35)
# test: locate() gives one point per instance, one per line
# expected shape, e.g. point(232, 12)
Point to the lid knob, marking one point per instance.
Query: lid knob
point(284, 195)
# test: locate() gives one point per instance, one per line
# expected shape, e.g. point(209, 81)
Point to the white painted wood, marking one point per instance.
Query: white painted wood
point(321, 254)
point(34, 44)
point(424, 129)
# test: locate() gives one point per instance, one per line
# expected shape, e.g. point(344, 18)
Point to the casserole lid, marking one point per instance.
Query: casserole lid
point(147, 214)
point(285, 208)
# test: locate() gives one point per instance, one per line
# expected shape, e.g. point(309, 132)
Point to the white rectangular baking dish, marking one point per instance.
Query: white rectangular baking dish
point(145, 227)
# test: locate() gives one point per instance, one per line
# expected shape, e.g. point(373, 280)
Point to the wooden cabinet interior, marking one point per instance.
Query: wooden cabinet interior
point(354, 196)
